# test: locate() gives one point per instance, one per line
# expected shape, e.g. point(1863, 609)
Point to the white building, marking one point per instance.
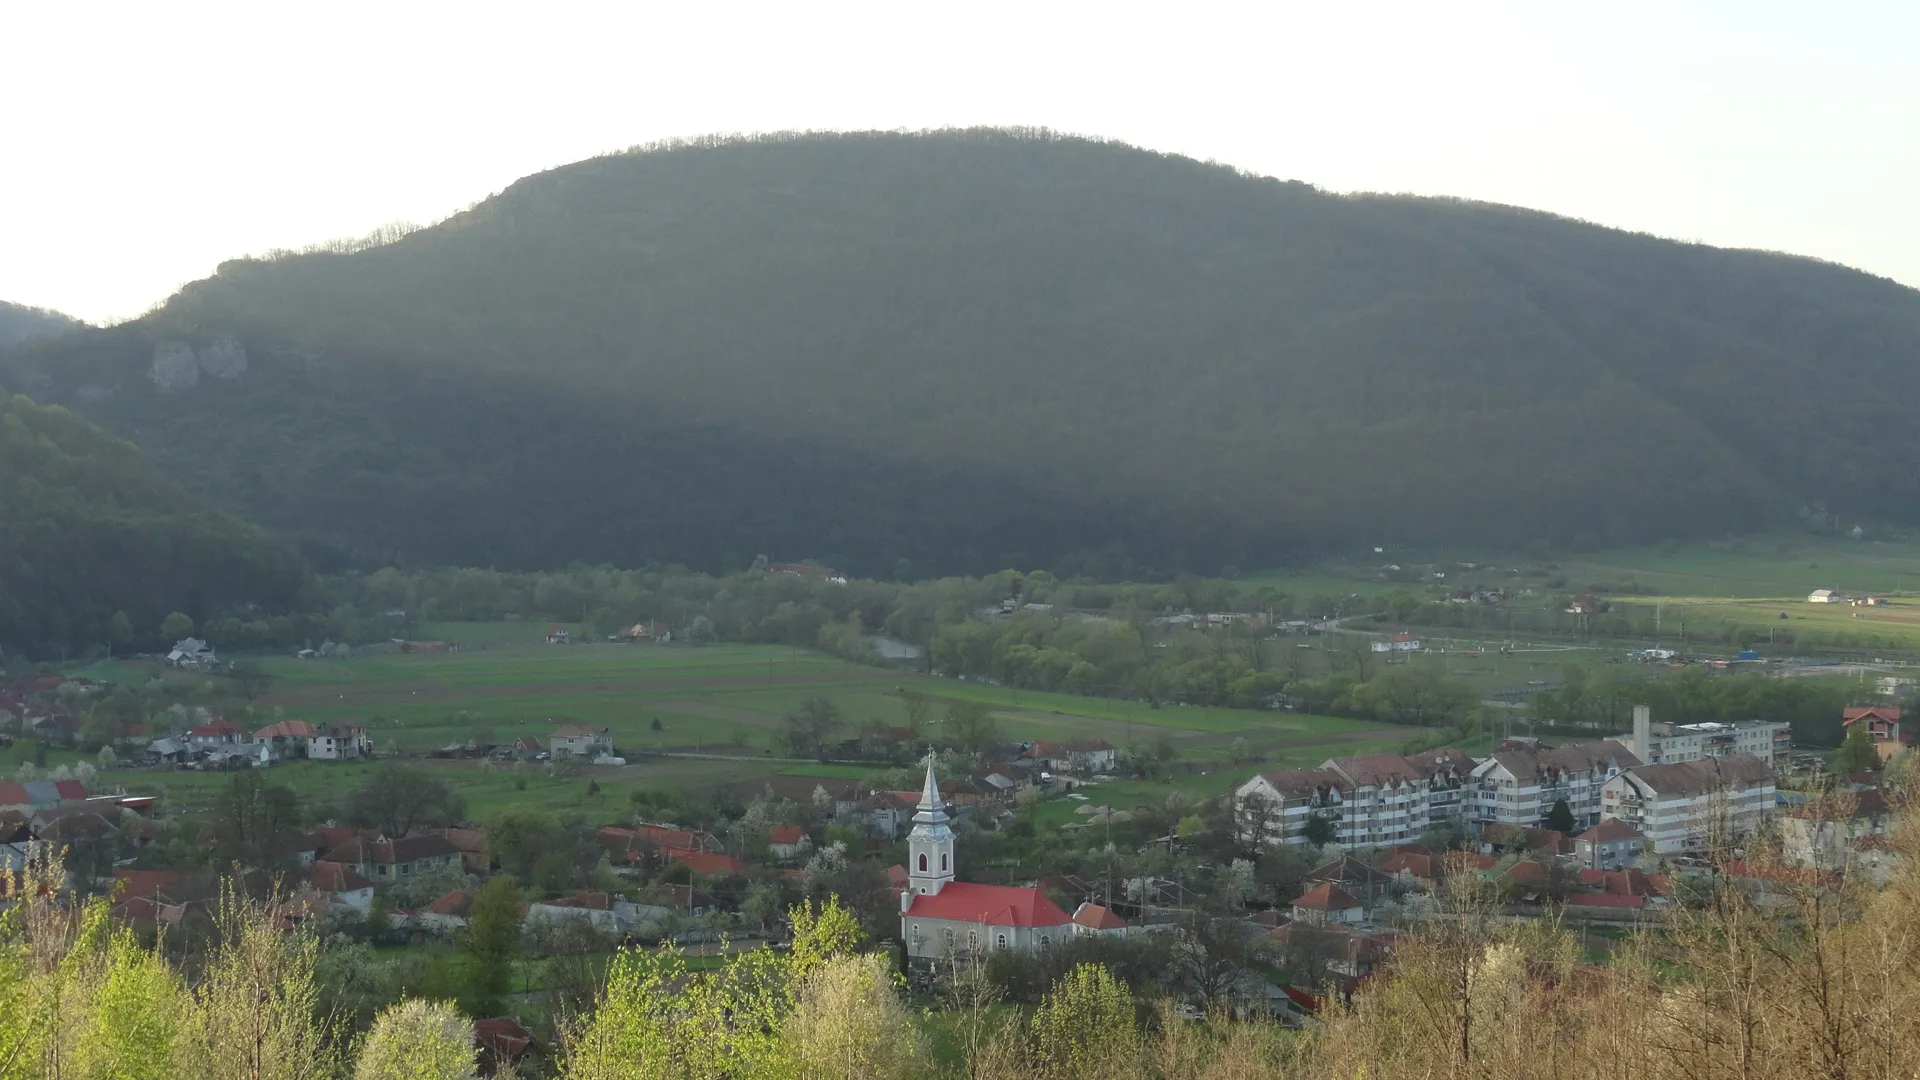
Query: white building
point(580, 741)
point(1666, 744)
point(1368, 801)
point(1689, 806)
point(338, 740)
point(1826, 596)
point(1519, 786)
point(944, 919)
point(1402, 642)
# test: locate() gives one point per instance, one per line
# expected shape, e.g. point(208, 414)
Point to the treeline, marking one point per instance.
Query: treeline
point(98, 547)
point(1774, 976)
point(1812, 706)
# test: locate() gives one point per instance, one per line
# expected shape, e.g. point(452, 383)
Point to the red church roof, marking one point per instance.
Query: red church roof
point(995, 905)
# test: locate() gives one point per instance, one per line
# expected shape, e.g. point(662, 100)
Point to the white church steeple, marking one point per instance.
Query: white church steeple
point(930, 844)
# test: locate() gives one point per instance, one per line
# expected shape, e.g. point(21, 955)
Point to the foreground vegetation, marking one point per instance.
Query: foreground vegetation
point(1755, 981)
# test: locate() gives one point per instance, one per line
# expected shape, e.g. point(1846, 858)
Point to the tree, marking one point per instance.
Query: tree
point(811, 726)
point(398, 797)
point(120, 630)
point(970, 726)
point(492, 941)
point(176, 626)
point(518, 836)
point(1084, 1028)
point(1857, 752)
point(1318, 830)
point(1560, 817)
point(418, 1040)
point(250, 679)
point(254, 821)
point(761, 905)
point(849, 1024)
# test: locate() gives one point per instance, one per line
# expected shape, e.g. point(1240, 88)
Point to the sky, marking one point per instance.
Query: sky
point(147, 142)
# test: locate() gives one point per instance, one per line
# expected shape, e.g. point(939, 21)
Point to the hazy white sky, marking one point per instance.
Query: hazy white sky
point(145, 142)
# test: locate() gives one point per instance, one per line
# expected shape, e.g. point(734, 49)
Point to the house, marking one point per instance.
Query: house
point(1660, 744)
point(1609, 845)
point(286, 739)
point(344, 885)
point(945, 919)
point(595, 909)
point(559, 635)
point(1398, 643)
point(501, 1040)
point(168, 751)
point(1355, 878)
point(712, 864)
point(191, 653)
point(524, 748)
point(339, 740)
point(1074, 756)
point(1826, 833)
point(219, 733)
point(1519, 785)
point(447, 914)
point(392, 860)
point(627, 843)
point(788, 841)
point(1692, 805)
point(1883, 724)
point(1427, 870)
point(580, 741)
point(1327, 903)
point(1826, 596)
point(1092, 919)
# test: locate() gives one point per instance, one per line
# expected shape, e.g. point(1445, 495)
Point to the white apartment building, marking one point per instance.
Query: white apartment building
point(1688, 806)
point(1369, 801)
point(1518, 786)
point(1667, 744)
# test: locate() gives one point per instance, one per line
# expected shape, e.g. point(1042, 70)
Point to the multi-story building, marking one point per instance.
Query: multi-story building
point(1368, 801)
point(1667, 744)
point(1691, 805)
point(1883, 727)
point(1519, 785)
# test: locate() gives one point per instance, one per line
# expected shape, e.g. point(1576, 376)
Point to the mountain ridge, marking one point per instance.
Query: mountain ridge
point(1062, 347)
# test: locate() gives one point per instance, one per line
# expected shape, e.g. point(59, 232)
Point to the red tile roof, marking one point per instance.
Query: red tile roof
point(501, 1035)
point(217, 728)
point(70, 789)
point(1327, 897)
point(786, 834)
point(995, 905)
point(1861, 712)
point(1593, 879)
point(1528, 874)
point(708, 864)
point(1095, 917)
point(337, 877)
point(286, 729)
point(1610, 830)
point(458, 902)
point(1606, 900)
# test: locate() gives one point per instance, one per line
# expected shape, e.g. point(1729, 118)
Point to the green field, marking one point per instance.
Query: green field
point(727, 703)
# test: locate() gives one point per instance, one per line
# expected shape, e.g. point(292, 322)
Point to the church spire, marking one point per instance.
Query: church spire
point(930, 844)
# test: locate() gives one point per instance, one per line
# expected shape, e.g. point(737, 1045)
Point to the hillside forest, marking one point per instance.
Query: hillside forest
point(951, 352)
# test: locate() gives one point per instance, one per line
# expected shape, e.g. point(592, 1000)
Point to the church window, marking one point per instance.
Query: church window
point(973, 941)
point(923, 862)
point(949, 937)
point(943, 862)
point(1000, 941)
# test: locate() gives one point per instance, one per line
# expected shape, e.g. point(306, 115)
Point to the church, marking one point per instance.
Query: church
point(941, 918)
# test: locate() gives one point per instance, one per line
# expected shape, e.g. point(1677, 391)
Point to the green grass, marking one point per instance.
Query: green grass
point(729, 701)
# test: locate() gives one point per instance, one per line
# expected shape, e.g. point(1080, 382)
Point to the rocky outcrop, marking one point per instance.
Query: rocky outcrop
point(178, 365)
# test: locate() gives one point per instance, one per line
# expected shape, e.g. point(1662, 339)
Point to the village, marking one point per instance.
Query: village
point(1290, 885)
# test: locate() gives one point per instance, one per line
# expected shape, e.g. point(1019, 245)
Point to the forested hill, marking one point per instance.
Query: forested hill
point(978, 349)
point(20, 323)
point(98, 546)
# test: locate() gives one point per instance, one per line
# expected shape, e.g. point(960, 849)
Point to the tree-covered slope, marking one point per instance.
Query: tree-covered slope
point(90, 529)
point(979, 348)
point(20, 323)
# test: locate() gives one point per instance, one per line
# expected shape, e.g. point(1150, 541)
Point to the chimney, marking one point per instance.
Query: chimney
point(1643, 732)
point(906, 900)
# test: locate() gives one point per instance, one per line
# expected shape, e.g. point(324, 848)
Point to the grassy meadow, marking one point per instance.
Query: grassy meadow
point(724, 704)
